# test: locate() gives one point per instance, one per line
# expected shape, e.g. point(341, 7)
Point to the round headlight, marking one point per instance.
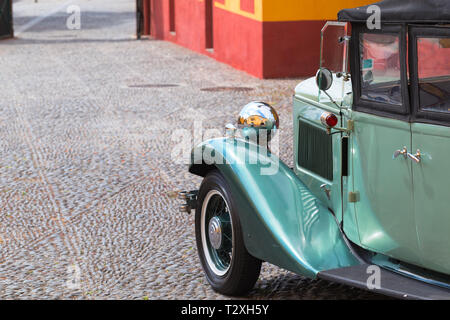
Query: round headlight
point(257, 116)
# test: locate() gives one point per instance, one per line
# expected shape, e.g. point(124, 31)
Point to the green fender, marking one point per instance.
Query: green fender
point(283, 222)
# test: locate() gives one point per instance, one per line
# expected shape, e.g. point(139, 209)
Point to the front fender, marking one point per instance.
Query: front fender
point(283, 222)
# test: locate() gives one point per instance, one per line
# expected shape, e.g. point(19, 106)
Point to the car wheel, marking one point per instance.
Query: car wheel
point(229, 268)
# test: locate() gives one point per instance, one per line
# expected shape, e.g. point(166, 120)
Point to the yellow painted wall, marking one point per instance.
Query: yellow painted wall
point(293, 10)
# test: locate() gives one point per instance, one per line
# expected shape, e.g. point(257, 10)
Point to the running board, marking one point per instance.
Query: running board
point(391, 283)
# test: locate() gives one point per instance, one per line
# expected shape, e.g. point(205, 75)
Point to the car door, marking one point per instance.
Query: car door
point(382, 181)
point(431, 142)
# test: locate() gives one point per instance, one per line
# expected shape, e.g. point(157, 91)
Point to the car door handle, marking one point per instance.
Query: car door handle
point(403, 152)
point(415, 157)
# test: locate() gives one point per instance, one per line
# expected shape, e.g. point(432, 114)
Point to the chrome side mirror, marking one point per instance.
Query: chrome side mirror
point(324, 79)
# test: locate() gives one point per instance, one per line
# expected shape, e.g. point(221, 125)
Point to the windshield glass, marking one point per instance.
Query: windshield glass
point(434, 73)
point(380, 68)
point(334, 56)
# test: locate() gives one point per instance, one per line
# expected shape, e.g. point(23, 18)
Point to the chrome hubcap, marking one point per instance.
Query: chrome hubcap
point(215, 233)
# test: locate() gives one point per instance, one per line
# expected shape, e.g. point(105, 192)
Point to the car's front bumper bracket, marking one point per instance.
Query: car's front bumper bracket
point(189, 199)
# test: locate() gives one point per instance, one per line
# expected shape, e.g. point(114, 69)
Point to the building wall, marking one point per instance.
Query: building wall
point(291, 48)
point(266, 38)
point(238, 41)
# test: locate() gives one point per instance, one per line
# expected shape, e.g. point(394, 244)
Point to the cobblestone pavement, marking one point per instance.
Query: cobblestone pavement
point(85, 159)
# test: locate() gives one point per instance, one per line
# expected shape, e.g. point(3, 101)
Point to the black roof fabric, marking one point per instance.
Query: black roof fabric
point(417, 11)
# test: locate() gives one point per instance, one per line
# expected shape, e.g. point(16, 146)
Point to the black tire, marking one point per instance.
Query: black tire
point(243, 270)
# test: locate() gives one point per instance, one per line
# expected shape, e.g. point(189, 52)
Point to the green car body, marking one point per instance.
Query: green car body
point(374, 189)
point(284, 222)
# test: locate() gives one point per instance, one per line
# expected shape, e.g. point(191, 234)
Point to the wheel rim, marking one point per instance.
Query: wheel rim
point(217, 233)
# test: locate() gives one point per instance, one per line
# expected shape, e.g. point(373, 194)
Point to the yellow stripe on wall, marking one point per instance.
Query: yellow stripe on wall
point(293, 10)
point(235, 7)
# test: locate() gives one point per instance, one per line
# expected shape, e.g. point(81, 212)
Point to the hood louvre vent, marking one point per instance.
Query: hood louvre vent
point(315, 150)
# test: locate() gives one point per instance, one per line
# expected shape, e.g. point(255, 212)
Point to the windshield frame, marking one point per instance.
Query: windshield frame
point(344, 72)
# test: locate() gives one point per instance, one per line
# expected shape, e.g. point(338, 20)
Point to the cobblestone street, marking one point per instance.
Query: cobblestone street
point(86, 168)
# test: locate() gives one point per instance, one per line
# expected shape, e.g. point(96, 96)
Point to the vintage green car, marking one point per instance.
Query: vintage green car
point(367, 202)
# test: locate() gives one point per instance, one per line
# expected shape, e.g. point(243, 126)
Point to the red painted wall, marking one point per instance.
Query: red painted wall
point(238, 41)
point(291, 48)
point(263, 49)
point(189, 22)
point(159, 18)
point(248, 5)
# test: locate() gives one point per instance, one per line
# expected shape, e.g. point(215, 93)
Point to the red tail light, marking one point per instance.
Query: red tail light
point(329, 120)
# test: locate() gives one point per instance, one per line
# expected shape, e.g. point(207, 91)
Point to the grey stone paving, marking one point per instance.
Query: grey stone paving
point(85, 160)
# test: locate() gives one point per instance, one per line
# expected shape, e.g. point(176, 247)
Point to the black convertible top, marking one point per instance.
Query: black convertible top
point(414, 11)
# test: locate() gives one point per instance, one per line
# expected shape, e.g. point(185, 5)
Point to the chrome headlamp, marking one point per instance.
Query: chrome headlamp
point(257, 116)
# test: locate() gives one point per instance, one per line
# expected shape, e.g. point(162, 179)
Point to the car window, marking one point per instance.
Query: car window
point(380, 68)
point(433, 62)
